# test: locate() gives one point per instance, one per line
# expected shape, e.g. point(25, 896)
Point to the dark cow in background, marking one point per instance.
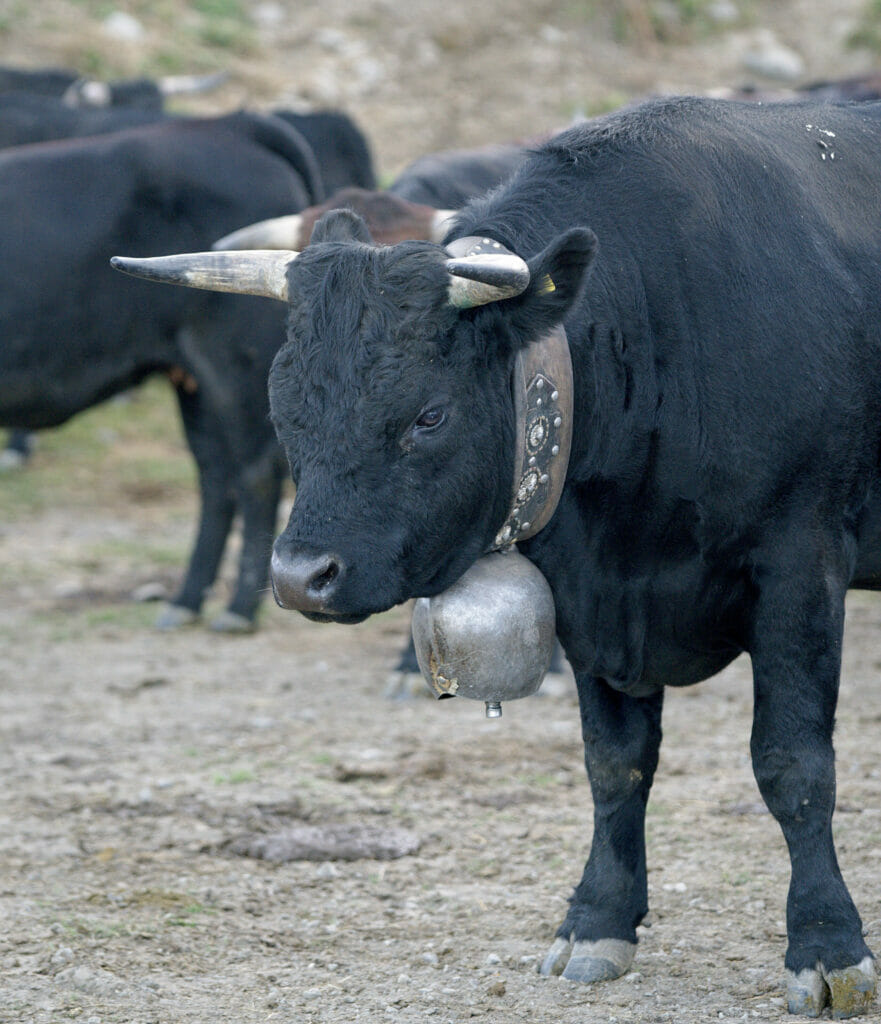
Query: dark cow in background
point(77, 90)
point(338, 143)
point(37, 81)
point(37, 105)
point(26, 118)
point(341, 157)
point(448, 179)
point(717, 267)
point(418, 204)
point(71, 337)
point(341, 147)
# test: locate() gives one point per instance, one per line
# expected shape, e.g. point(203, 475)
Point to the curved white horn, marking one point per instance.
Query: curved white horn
point(275, 233)
point(252, 272)
point(486, 277)
point(175, 85)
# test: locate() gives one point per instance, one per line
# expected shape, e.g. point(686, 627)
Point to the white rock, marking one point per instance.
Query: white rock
point(154, 591)
point(122, 26)
point(723, 12)
point(769, 57)
point(269, 14)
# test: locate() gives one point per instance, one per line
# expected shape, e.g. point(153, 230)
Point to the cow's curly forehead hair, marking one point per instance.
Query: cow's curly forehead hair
point(368, 302)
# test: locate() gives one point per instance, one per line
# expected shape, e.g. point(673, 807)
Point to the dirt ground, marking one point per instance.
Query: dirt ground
point(145, 772)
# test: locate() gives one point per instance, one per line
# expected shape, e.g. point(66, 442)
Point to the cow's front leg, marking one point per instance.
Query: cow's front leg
point(259, 491)
point(622, 735)
point(796, 663)
point(216, 508)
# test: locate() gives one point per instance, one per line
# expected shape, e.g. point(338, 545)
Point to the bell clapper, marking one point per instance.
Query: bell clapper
point(493, 709)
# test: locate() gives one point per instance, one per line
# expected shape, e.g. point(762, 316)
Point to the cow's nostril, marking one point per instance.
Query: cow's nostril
point(325, 578)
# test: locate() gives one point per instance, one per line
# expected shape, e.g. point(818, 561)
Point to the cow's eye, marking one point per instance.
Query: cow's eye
point(430, 419)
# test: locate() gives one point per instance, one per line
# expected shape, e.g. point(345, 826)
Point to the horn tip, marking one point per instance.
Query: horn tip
point(123, 263)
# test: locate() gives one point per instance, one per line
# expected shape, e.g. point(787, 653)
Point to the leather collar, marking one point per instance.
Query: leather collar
point(543, 408)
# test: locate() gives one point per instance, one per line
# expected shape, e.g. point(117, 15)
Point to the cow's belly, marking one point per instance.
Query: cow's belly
point(641, 636)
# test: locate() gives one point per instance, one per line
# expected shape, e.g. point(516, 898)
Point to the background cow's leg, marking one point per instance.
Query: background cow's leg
point(621, 739)
point(796, 658)
point(217, 507)
point(259, 495)
point(19, 446)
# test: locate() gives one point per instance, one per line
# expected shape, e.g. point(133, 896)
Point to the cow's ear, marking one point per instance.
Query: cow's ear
point(341, 226)
point(556, 278)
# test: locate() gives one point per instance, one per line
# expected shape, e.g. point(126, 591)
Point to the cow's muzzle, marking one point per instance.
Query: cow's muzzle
point(307, 582)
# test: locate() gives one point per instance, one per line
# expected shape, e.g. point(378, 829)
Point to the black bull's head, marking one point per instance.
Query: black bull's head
point(392, 399)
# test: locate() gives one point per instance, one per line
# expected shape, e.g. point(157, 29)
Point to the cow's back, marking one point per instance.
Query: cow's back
point(739, 253)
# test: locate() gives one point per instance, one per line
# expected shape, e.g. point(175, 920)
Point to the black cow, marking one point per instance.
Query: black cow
point(417, 204)
point(26, 118)
point(71, 337)
point(339, 144)
point(40, 104)
point(448, 179)
point(717, 267)
point(339, 148)
point(79, 91)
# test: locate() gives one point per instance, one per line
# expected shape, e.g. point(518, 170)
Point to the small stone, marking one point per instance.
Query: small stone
point(430, 958)
point(154, 591)
point(68, 588)
point(498, 988)
point(269, 15)
point(312, 993)
point(62, 955)
point(331, 39)
point(553, 35)
point(723, 12)
point(492, 960)
point(123, 27)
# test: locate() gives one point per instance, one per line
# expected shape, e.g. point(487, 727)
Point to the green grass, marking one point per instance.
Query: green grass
point(235, 777)
point(867, 34)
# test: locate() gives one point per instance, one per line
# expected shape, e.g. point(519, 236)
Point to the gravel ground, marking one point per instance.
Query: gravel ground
point(147, 774)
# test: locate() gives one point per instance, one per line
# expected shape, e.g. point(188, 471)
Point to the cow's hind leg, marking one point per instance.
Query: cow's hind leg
point(796, 663)
point(622, 734)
